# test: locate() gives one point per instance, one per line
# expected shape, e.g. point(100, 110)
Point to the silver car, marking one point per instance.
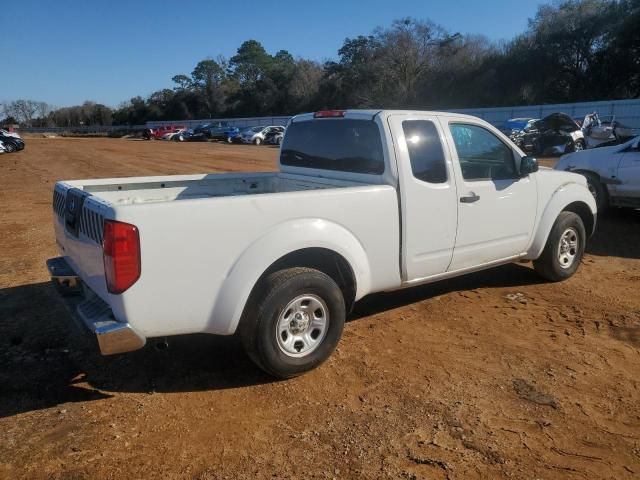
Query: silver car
point(613, 173)
point(256, 135)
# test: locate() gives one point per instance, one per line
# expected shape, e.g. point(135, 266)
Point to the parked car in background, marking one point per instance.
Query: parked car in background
point(11, 143)
point(235, 137)
point(256, 135)
point(156, 133)
point(605, 131)
point(364, 201)
point(196, 135)
point(275, 136)
point(612, 173)
point(516, 125)
point(178, 135)
point(552, 135)
point(221, 131)
point(213, 130)
point(7, 133)
point(200, 128)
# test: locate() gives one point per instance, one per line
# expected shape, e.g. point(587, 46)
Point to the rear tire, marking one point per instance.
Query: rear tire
point(293, 321)
point(9, 147)
point(257, 141)
point(564, 248)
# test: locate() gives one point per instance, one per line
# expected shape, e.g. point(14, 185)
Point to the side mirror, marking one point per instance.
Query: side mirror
point(528, 165)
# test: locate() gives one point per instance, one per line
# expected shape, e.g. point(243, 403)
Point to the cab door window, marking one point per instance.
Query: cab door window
point(482, 155)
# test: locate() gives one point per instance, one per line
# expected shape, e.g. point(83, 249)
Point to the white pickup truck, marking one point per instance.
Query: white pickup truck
point(364, 201)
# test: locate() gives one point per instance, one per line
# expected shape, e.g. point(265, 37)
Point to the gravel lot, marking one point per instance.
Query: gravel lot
point(494, 375)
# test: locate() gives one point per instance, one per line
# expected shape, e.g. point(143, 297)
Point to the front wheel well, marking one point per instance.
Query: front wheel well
point(327, 261)
point(584, 212)
point(586, 172)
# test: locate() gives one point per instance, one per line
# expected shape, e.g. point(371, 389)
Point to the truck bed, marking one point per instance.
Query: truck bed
point(194, 229)
point(128, 191)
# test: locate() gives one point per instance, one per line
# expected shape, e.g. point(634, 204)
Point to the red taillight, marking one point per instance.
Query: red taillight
point(121, 253)
point(329, 114)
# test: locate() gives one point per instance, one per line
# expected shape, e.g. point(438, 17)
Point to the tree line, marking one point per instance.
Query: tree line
point(572, 50)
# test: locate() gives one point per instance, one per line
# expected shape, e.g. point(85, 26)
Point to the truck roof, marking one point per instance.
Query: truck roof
point(370, 113)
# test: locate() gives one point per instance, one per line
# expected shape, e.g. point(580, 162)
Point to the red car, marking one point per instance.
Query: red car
point(156, 133)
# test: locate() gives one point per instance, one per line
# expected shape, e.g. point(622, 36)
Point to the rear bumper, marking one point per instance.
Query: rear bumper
point(91, 312)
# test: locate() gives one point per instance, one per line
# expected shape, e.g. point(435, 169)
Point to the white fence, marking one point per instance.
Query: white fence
point(626, 112)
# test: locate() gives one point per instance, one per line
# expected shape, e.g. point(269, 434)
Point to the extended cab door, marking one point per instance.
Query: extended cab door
point(496, 207)
point(427, 194)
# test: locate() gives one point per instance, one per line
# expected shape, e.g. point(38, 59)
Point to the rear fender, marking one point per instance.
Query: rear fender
point(275, 244)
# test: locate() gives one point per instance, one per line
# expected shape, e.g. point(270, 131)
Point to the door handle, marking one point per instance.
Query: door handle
point(470, 198)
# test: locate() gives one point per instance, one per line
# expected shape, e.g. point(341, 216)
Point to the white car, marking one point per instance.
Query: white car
point(7, 133)
point(395, 199)
point(612, 173)
point(178, 135)
point(256, 135)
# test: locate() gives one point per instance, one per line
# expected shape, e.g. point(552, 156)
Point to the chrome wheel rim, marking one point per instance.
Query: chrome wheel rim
point(568, 248)
point(302, 325)
point(578, 146)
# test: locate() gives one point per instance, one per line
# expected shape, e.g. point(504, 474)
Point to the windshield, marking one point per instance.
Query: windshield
point(340, 144)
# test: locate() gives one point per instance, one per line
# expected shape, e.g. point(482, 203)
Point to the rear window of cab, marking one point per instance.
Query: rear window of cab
point(342, 144)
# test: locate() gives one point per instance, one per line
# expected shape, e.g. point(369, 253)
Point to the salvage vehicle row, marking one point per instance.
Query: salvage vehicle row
point(558, 133)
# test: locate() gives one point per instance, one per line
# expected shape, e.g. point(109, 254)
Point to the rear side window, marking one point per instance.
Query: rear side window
point(341, 144)
point(425, 151)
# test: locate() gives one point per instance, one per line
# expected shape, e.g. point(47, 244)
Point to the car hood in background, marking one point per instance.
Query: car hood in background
point(588, 158)
point(556, 121)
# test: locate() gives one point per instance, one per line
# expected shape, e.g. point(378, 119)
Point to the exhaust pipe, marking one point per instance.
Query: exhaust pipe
point(162, 344)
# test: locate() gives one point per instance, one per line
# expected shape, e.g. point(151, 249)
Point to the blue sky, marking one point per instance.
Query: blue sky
point(64, 52)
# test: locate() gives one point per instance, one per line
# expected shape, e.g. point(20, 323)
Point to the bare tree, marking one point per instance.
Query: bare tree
point(43, 109)
point(23, 110)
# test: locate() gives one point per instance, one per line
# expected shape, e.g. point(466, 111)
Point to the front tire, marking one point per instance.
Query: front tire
point(564, 248)
point(293, 321)
point(578, 145)
point(9, 147)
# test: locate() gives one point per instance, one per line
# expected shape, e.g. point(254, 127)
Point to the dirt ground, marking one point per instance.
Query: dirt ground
point(494, 375)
